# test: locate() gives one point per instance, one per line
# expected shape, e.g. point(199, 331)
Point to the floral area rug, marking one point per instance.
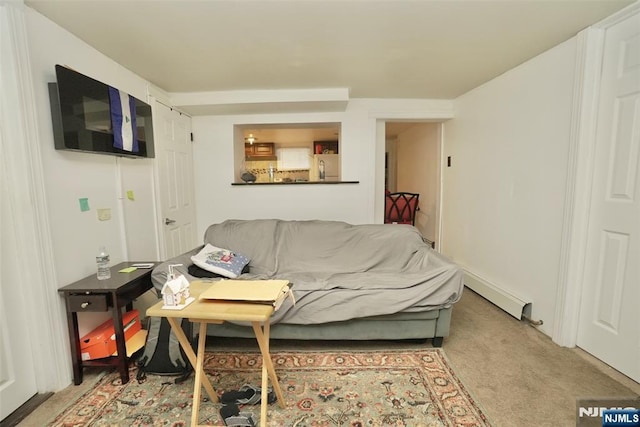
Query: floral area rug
point(341, 388)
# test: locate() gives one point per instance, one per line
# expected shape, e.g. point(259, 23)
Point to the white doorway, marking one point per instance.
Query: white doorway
point(174, 152)
point(412, 164)
point(609, 317)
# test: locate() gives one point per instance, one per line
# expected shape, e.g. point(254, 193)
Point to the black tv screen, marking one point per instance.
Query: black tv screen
point(85, 113)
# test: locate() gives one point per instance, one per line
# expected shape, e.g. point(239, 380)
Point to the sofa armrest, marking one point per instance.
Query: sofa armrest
point(160, 272)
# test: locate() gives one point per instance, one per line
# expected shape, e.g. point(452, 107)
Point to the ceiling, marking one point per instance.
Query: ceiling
point(375, 49)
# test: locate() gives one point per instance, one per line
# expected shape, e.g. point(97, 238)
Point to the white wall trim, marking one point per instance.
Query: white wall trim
point(157, 192)
point(440, 238)
point(27, 199)
point(619, 16)
point(396, 110)
point(428, 110)
point(261, 101)
point(578, 191)
point(440, 174)
point(154, 93)
point(579, 179)
point(512, 304)
point(378, 201)
point(259, 96)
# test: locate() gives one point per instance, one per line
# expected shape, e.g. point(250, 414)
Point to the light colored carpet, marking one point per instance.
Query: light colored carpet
point(517, 374)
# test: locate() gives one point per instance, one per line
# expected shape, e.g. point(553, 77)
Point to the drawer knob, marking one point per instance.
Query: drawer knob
point(85, 304)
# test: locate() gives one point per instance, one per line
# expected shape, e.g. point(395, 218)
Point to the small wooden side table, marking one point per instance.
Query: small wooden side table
point(93, 295)
point(210, 311)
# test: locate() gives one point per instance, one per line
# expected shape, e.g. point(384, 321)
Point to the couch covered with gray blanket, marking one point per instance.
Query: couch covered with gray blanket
point(362, 282)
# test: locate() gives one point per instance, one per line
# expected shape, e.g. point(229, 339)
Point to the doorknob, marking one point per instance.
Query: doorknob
point(168, 221)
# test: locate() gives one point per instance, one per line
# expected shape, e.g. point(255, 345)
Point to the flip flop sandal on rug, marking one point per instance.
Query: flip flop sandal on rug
point(247, 395)
point(232, 417)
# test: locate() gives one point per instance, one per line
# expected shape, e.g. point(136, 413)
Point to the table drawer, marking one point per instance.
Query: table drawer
point(92, 302)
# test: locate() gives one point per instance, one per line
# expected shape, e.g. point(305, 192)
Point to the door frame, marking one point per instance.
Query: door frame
point(392, 169)
point(580, 169)
point(157, 96)
point(432, 112)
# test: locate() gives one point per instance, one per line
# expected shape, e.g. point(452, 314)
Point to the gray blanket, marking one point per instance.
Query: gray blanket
point(339, 271)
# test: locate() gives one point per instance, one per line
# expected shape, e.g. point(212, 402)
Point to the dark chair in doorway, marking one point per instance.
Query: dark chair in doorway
point(401, 208)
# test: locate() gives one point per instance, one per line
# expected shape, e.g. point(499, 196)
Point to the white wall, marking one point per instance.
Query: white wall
point(418, 162)
point(504, 194)
point(76, 235)
point(217, 200)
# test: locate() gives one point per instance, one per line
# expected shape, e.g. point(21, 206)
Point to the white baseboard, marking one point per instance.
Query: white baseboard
point(515, 306)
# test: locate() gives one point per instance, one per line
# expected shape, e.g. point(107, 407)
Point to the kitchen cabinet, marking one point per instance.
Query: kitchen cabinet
point(325, 147)
point(260, 151)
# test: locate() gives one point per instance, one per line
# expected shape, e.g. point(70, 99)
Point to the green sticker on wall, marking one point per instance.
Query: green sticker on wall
point(84, 204)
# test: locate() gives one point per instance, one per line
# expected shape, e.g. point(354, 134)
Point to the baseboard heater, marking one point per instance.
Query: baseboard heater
point(515, 306)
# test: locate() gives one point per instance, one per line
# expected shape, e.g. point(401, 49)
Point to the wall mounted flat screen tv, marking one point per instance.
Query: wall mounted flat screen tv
point(85, 113)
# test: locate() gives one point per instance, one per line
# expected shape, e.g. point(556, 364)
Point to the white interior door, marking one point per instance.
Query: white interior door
point(609, 317)
point(17, 376)
point(172, 135)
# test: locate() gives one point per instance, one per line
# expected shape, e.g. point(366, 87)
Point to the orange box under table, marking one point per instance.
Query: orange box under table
point(101, 342)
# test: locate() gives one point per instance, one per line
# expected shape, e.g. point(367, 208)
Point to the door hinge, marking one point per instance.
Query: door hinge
point(191, 136)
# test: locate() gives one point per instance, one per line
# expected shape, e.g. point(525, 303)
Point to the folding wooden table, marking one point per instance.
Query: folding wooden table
point(210, 311)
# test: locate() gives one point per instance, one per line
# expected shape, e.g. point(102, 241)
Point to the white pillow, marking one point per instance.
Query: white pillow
point(220, 261)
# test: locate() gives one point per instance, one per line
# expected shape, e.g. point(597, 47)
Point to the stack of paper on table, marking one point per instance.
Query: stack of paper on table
point(271, 292)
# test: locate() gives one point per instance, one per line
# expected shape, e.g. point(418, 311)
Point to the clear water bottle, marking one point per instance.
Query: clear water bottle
point(102, 260)
point(272, 173)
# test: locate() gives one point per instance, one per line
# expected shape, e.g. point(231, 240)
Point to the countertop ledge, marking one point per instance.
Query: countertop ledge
point(295, 183)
